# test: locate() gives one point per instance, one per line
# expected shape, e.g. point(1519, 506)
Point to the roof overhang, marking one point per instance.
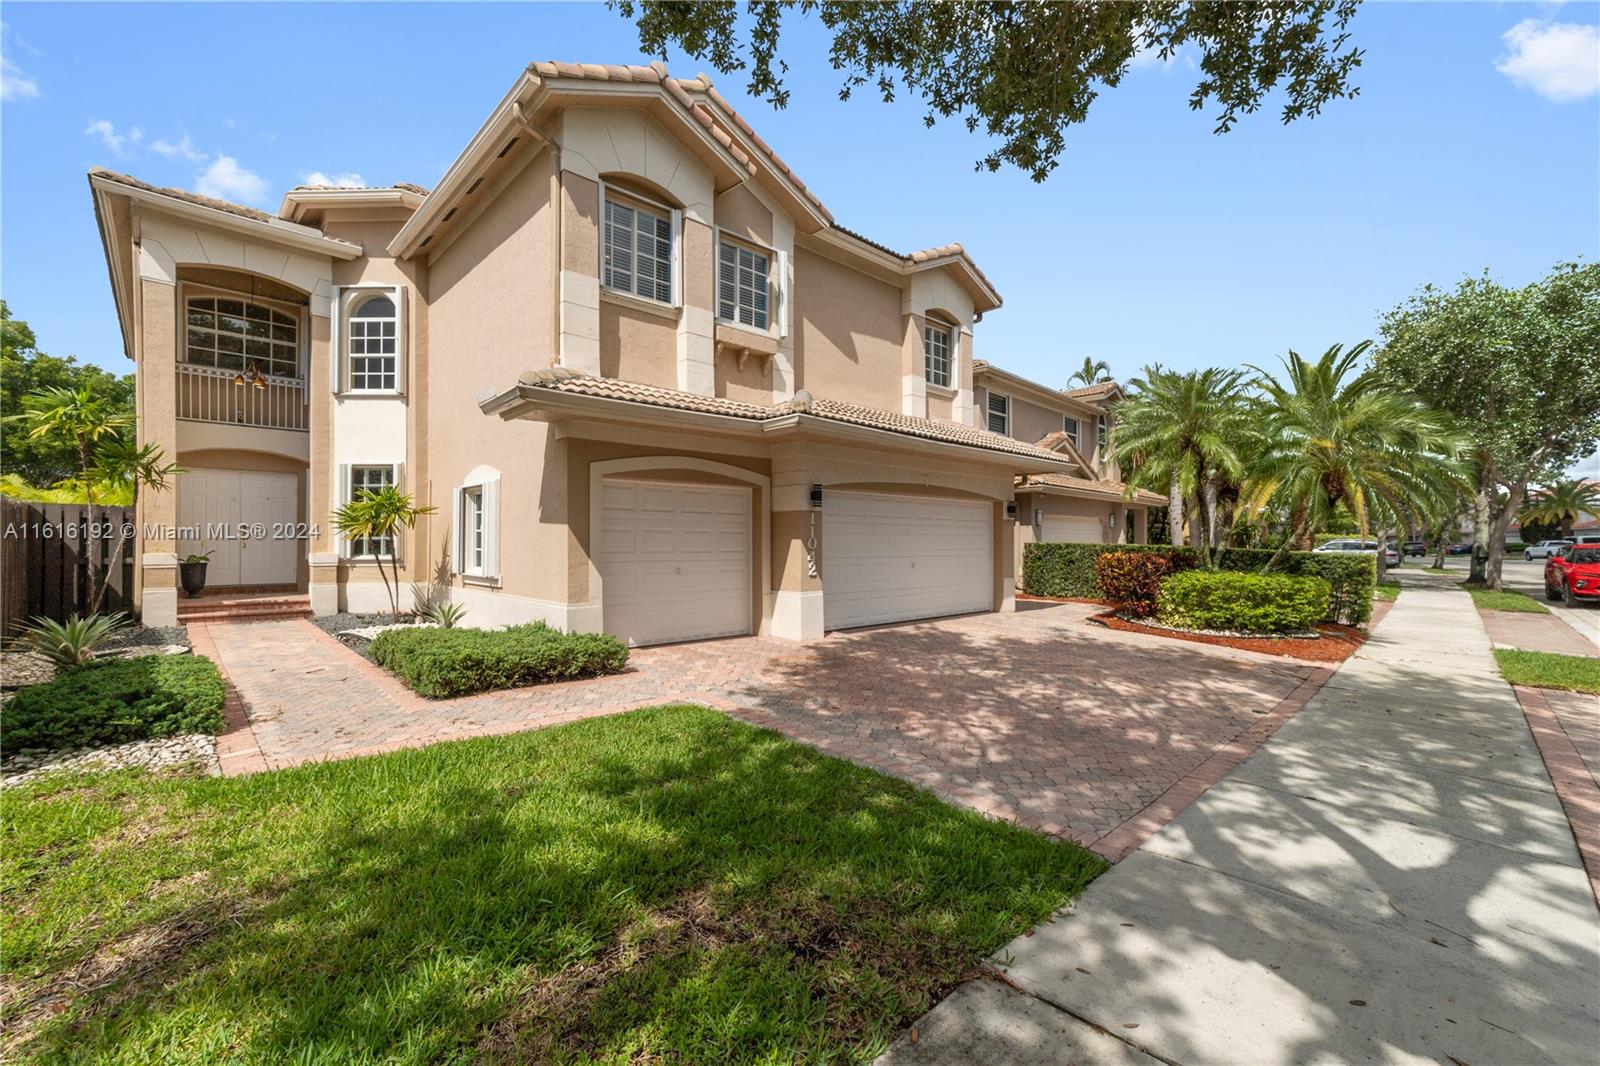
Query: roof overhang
point(118, 249)
point(1015, 383)
point(1089, 492)
point(546, 405)
point(297, 203)
point(280, 232)
point(985, 297)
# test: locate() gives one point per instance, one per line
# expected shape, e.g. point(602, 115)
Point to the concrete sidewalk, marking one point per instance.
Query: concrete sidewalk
point(1390, 878)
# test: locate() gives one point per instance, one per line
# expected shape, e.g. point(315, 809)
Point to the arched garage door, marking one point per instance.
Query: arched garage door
point(891, 558)
point(674, 560)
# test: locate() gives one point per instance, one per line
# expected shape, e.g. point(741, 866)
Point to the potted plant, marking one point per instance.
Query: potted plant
point(192, 572)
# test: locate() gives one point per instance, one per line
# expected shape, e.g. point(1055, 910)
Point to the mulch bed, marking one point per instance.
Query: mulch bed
point(1336, 644)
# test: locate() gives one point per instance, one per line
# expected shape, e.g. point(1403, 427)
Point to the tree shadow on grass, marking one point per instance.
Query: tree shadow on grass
point(736, 895)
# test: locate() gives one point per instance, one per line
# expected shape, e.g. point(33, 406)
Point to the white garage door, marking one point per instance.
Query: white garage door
point(892, 558)
point(1072, 529)
point(674, 560)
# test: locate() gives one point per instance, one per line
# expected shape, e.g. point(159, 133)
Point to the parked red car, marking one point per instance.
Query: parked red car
point(1573, 574)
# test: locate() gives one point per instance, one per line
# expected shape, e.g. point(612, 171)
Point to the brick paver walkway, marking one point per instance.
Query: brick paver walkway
point(1037, 716)
point(1536, 632)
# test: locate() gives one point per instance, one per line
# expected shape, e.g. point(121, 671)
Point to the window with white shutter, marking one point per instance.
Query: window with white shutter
point(999, 414)
point(637, 248)
point(742, 285)
point(936, 351)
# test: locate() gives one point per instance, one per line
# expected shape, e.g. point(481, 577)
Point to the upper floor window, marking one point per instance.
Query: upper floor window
point(637, 249)
point(936, 349)
point(1069, 425)
point(374, 327)
point(1102, 432)
point(742, 285)
point(240, 335)
point(999, 414)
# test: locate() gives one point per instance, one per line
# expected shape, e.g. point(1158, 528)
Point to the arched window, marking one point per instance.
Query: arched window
point(241, 335)
point(373, 328)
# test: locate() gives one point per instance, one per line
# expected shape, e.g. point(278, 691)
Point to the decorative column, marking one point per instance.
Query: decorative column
point(156, 566)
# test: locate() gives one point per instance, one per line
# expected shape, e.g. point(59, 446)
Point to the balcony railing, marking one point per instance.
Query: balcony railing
point(209, 394)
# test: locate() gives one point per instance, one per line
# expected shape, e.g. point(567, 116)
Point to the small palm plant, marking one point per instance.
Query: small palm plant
point(72, 642)
point(376, 518)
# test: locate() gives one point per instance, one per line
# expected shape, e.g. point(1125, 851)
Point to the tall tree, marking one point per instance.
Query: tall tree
point(1023, 73)
point(1337, 436)
point(1181, 433)
point(1563, 503)
point(1518, 369)
point(1092, 372)
point(44, 460)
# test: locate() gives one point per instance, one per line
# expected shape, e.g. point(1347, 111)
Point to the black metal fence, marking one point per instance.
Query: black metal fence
point(44, 560)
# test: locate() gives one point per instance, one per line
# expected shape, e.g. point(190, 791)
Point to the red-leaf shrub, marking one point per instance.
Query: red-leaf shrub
point(1133, 579)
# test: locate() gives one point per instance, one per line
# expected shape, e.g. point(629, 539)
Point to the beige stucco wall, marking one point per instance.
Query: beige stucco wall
point(1051, 504)
point(638, 343)
point(740, 213)
point(848, 333)
point(491, 312)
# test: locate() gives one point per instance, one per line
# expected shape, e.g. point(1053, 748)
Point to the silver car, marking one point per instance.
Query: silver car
point(1361, 547)
point(1544, 549)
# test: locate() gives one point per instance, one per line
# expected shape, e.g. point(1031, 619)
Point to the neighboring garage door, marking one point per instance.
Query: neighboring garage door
point(1072, 528)
point(674, 560)
point(889, 558)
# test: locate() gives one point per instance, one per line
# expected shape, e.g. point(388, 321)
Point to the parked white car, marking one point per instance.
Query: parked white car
point(1391, 557)
point(1544, 549)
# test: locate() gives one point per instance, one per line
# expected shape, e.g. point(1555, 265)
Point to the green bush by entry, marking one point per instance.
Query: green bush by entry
point(455, 662)
point(1248, 603)
point(1068, 571)
point(113, 701)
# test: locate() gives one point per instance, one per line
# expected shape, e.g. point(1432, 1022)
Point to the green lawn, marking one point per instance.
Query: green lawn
point(1542, 669)
point(669, 883)
point(1388, 590)
point(1504, 600)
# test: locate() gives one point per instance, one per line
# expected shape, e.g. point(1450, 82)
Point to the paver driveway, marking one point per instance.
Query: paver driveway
point(1035, 716)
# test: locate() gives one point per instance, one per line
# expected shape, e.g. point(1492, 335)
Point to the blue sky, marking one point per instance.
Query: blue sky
point(1474, 144)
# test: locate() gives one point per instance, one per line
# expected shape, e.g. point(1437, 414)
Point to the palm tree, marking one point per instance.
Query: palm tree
point(123, 467)
point(1092, 372)
point(376, 518)
point(1184, 433)
point(1563, 502)
point(1334, 436)
point(88, 419)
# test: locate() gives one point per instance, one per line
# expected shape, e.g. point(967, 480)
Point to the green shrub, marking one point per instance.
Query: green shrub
point(454, 662)
point(1249, 603)
point(1068, 571)
point(1133, 579)
point(112, 701)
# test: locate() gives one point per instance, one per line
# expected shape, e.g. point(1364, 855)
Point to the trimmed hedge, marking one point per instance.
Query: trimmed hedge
point(1249, 603)
point(455, 662)
point(113, 701)
point(1133, 579)
point(1068, 571)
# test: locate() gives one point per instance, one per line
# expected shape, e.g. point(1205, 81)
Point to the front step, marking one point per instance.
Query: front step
point(211, 609)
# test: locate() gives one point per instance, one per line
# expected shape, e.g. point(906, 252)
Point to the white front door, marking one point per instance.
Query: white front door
point(245, 520)
point(674, 561)
point(1071, 529)
point(888, 558)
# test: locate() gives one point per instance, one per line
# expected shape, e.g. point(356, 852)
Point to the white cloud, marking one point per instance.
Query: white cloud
point(338, 181)
point(113, 140)
point(15, 83)
point(1558, 60)
point(183, 147)
point(227, 180)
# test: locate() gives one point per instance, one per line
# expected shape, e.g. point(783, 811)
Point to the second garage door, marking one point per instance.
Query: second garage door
point(674, 561)
point(888, 558)
point(1073, 529)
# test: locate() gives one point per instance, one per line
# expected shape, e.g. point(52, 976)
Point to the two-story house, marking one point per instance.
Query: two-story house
point(649, 384)
point(1086, 504)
